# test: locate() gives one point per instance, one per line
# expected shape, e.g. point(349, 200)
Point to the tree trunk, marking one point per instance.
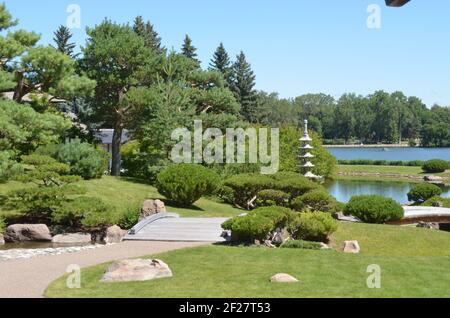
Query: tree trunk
point(116, 146)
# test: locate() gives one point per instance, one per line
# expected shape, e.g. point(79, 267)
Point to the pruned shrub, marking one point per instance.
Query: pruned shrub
point(259, 224)
point(2, 225)
point(83, 159)
point(374, 209)
point(299, 244)
point(436, 166)
point(185, 184)
point(317, 200)
point(249, 228)
point(438, 202)
point(272, 197)
point(313, 226)
point(246, 186)
point(84, 212)
point(130, 217)
point(423, 191)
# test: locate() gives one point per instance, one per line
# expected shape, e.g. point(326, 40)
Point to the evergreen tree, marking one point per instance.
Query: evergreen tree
point(62, 38)
point(188, 49)
point(221, 63)
point(243, 84)
point(147, 31)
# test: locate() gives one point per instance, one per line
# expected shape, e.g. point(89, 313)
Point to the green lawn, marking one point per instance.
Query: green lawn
point(123, 192)
point(414, 263)
point(397, 172)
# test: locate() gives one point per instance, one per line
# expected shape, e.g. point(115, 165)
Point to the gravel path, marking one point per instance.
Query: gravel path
point(28, 278)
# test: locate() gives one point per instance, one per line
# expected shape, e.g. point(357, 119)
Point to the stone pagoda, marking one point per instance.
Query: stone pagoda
point(306, 157)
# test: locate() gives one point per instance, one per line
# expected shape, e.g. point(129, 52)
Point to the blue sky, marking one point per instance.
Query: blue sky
point(294, 46)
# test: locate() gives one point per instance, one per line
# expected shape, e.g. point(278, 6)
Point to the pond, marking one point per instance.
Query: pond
point(393, 154)
point(344, 190)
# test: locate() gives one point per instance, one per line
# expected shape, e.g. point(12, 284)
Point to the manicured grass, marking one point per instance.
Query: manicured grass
point(414, 263)
point(121, 193)
point(397, 172)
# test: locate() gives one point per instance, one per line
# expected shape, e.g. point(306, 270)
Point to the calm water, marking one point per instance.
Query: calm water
point(394, 154)
point(344, 190)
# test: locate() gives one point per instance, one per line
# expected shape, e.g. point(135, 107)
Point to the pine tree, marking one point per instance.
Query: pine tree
point(188, 49)
point(62, 38)
point(243, 83)
point(221, 63)
point(147, 31)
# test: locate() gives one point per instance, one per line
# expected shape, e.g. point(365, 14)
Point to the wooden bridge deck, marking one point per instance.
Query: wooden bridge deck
point(172, 228)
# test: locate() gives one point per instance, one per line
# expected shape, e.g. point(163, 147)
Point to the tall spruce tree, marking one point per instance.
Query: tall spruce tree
point(243, 83)
point(188, 49)
point(62, 40)
point(221, 63)
point(147, 31)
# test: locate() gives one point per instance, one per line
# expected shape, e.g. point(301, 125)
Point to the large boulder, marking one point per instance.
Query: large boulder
point(114, 234)
point(280, 237)
point(76, 238)
point(27, 232)
point(351, 247)
point(152, 207)
point(283, 278)
point(2, 239)
point(136, 270)
point(434, 179)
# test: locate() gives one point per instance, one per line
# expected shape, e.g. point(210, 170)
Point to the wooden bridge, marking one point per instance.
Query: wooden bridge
point(170, 227)
point(418, 214)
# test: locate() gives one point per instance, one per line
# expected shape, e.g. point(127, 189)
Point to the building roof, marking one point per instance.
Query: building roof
point(27, 97)
point(106, 136)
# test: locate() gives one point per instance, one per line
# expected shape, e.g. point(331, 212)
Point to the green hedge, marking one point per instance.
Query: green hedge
point(423, 191)
point(366, 162)
point(374, 209)
point(185, 184)
point(299, 244)
point(436, 166)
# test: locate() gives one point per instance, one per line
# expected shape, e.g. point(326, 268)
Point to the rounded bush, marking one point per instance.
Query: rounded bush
point(246, 186)
point(436, 166)
point(185, 184)
point(374, 209)
point(249, 228)
point(131, 217)
point(258, 224)
point(423, 191)
point(272, 197)
point(317, 200)
point(313, 226)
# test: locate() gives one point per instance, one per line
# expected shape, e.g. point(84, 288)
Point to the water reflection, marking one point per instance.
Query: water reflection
point(344, 190)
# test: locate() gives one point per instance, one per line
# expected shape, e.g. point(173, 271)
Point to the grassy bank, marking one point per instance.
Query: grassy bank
point(413, 261)
point(360, 172)
point(121, 193)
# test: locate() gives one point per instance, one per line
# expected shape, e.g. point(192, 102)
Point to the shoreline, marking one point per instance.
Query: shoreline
point(369, 146)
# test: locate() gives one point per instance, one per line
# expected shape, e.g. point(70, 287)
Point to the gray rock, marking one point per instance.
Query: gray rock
point(2, 239)
point(429, 225)
point(27, 232)
point(434, 179)
point(324, 246)
point(136, 270)
point(283, 278)
point(280, 237)
point(351, 247)
point(341, 217)
point(151, 207)
point(114, 234)
point(74, 238)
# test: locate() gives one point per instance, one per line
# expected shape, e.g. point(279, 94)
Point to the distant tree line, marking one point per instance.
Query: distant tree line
point(377, 118)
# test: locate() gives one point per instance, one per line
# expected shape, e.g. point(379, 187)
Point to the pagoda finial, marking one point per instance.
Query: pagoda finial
point(306, 126)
